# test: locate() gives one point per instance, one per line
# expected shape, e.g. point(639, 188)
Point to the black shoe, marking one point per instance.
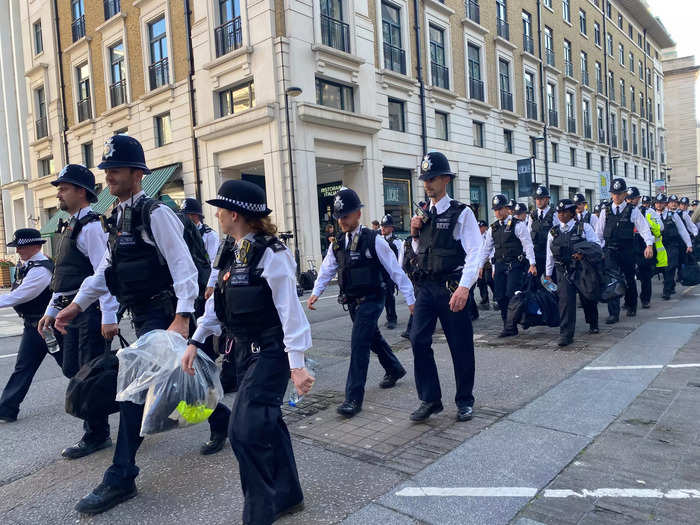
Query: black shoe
point(631, 313)
point(290, 510)
point(565, 341)
point(104, 497)
point(485, 306)
point(390, 380)
point(464, 413)
point(594, 330)
point(215, 444)
point(645, 305)
point(405, 335)
point(425, 410)
point(390, 325)
point(7, 419)
point(612, 319)
point(84, 448)
point(349, 408)
point(508, 333)
point(666, 297)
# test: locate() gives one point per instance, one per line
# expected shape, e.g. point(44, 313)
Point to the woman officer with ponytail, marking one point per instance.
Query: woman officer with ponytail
point(255, 302)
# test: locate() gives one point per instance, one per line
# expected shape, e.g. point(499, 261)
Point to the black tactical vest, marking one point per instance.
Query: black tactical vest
point(440, 255)
point(586, 217)
point(507, 246)
point(33, 310)
point(360, 273)
point(72, 265)
point(563, 242)
point(670, 233)
point(393, 247)
point(242, 297)
point(409, 259)
point(204, 230)
point(539, 228)
point(619, 229)
point(137, 272)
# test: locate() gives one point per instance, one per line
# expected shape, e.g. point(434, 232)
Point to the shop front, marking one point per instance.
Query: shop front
point(477, 197)
point(398, 199)
point(326, 195)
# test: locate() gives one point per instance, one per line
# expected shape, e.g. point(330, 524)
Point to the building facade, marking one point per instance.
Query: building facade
point(683, 175)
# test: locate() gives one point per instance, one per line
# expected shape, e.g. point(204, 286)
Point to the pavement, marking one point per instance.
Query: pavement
point(552, 429)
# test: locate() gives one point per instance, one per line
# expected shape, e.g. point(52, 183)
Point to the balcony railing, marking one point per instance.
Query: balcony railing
point(633, 106)
point(528, 44)
point(117, 93)
point(531, 109)
point(84, 109)
point(550, 57)
point(112, 7)
point(472, 7)
point(553, 118)
point(584, 77)
point(158, 73)
point(635, 148)
point(653, 155)
point(476, 89)
point(611, 93)
point(623, 99)
point(568, 68)
point(644, 151)
point(506, 100)
point(394, 58)
point(335, 33)
point(571, 125)
point(625, 145)
point(78, 28)
point(587, 131)
point(503, 28)
point(42, 128)
point(601, 135)
point(600, 87)
point(613, 140)
point(440, 74)
point(228, 36)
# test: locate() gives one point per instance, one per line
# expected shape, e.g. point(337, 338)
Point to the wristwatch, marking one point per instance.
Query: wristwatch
point(196, 343)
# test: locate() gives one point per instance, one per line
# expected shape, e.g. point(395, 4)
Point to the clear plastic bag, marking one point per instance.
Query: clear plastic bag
point(150, 374)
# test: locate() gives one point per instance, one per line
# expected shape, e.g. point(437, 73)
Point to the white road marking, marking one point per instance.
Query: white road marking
point(680, 317)
point(531, 492)
point(642, 367)
point(8, 355)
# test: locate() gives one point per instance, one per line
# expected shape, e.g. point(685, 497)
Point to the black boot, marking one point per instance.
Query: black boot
point(104, 497)
point(84, 448)
point(349, 408)
point(425, 410)
point(215, 444)
point(390, 379)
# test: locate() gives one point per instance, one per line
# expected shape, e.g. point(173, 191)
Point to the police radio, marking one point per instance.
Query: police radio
point(421, 213)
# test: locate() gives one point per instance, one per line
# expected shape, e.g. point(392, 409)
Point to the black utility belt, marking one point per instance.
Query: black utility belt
point(258, 341)
point(344, 299)
point(512, 262)
point(63, 300)
point(166, 298)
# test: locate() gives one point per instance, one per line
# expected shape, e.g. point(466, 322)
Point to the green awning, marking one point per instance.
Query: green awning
point(152, 183)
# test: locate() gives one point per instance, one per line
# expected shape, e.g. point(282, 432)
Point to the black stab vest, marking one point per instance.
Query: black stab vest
point(540, 228)
point(670, 233)
point(72, 265)
point(33, 310)
point(440, 255)
point(507, 246)
point(563, 242)
point(619, 229)
point(360, 273)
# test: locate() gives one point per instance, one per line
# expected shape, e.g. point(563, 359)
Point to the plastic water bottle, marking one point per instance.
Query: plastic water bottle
point(50, 339)
point(550, 286)
point(294, 397)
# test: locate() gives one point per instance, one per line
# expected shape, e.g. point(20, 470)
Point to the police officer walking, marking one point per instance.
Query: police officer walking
point(520, 212)
point(540, 222)
point(366, 267)
point(511, 243)
point(582, 214)
point(562, 252)
point(485, 280)
point(29, 297)
point(447, 244)
point(387, 229)
point(645, 267)
point(148, 268)
point(255, 302)
point(675, 236)
point(80, 246)
point(615, 229)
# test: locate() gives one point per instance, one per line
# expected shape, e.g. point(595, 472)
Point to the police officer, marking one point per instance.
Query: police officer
point(150, 271)
point(563, 253)
point(675, 236)
point(680, 206)
point(193, 211)
point(80, 246)
point(366, 267)
point(520, 212)
point(485, 280)
point(582, 214)
point(29, 297)
point(645, 267)
point(512, 203)
point(396, 245)
point(510, 240)
point(447, 243)
point(255, 302)
point(615, 229)
point(540, 222)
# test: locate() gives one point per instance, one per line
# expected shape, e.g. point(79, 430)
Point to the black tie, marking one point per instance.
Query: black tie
point(433, 212)
point(541, 214)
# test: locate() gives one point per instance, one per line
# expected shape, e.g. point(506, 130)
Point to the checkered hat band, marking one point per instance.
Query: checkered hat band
point(28, 241)
point(245, 205)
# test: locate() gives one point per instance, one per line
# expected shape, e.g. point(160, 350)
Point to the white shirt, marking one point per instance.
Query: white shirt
point(167, 236)
point(467, 233)
point(388, 260)
point(679, 226)
point(521, 232)
point(692, 228)
point(588, 233)
point(542, 213)
point(279, 270)
point(399, 246)
point(636, 217)
point(211, 243)
point(92, 243)
point(582, 216)
point(31, 287)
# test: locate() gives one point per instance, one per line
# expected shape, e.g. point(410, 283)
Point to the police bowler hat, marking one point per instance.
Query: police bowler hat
point(520, 207)
point(346, 202)
point(511, 203)
point(123, 151)
point(661, 197)
point(482, 224)
point(433, 165)
point(387, 220)
point(579, 198)
point(566, 205)
point(79, 176)
point(243, 197)
point(673, 198)
point(499, 201)
point(618, 186)
point(633, 192)
point(684, 200)
point(646, 200)
point(541, 192)
point(192, 207)
point(26, 237)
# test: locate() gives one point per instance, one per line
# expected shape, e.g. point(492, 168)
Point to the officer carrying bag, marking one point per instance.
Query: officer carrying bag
point(690, 272)
point(613, 285)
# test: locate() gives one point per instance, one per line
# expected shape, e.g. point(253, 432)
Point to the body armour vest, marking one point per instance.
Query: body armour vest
point(72, 265)
point(137, 272)
point(242, 297)
point(393, 247)
point(204, 230)
point(670, 233)
point(507, 246)
point(563, 242)
point(360, 274)
point(33, 310)
point(440, 255)
point(586, 217)
point(619, 229)
point(540, 228)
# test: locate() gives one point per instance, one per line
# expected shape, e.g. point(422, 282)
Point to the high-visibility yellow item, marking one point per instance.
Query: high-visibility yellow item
point(661, 255)
point(194, 413)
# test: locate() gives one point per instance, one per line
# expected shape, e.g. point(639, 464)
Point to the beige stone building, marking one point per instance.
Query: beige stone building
point(681, 75)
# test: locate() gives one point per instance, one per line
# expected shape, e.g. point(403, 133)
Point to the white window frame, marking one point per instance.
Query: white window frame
point(402, 5)
point(432, 18)
point(150, 13)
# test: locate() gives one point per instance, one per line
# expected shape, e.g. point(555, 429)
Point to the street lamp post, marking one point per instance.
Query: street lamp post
point(292, 92)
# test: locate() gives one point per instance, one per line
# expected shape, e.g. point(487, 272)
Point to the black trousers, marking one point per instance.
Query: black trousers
point(484, 283)
point(674, 251)
point(365, 337)
point(260, 439)
point(645, 271)
point(541, 262)
point(83, 342)
point(567, 306)
point(390, 303)
point(32, 351)
point(622, 260)
point(508, 279)
point(432, 303)
point(123, 470)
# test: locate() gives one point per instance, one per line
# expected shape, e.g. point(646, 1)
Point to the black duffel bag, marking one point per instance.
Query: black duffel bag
point(92, 390)
point(613, 285)
point(690, 271)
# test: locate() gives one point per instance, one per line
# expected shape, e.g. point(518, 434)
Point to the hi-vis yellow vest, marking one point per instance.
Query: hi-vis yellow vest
point(661, 256)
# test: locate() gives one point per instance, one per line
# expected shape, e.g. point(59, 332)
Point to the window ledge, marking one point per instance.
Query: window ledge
point(40, 142)
point(107, 24)
point(509, 117)
point(479, 108)
point(78, 43)
point(553, 69)
point(228, 63)
point(526, 55)
point(585, 87)
point(390, 78)
point(336, 118)
point(36, 69)
point(499, 40)
point(151, 98)
point(469, 23)
point(225, 126)
point(438, 94)
point(570, 80)
point(439, 7)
